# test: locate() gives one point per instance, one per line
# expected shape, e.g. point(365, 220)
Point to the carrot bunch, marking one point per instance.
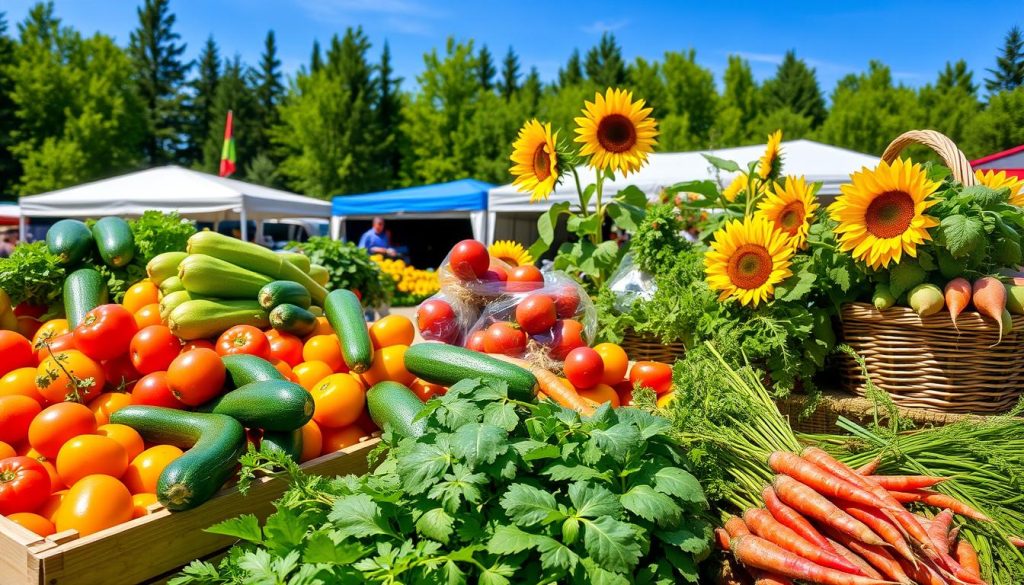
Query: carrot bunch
point(824, 522)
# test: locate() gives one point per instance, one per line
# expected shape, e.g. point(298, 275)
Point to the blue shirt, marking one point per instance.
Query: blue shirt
point(372, 239)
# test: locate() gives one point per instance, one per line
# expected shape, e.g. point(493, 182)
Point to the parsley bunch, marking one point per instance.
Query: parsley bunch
point(496, 491)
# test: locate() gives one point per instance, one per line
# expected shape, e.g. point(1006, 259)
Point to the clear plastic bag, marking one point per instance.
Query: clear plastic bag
point(446, 319)
point(629, 283)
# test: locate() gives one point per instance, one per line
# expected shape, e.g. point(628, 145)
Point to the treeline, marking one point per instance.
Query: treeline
point(75, 108)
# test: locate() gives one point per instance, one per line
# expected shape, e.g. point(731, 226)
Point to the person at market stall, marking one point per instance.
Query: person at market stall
point(8, 240)
point(375, 241)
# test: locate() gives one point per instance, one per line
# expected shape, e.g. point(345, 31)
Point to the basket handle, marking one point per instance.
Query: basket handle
point(942, 145)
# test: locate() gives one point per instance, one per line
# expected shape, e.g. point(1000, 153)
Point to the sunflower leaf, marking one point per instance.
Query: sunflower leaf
point(962, 234)
point(723, 164)
point(546, 228)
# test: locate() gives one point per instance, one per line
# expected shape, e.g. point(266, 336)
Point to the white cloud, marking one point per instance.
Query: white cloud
point(600, 26)
point(402, 16)
point(771, 58)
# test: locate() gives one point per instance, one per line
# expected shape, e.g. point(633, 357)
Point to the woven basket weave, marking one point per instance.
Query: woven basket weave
point(641, 348)
point(833, 405)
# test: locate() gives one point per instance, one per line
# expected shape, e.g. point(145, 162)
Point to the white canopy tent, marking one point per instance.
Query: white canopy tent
point(818, 162)
point(193, 194)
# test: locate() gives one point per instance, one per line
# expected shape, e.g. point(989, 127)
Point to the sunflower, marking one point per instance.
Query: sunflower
point(511, 253)
point(747, 259)
point(768, 165)
point(881, 212)
point(790, 207)
point(994, 180)
point(616, 132)
point(737, 186)
point(536, 162)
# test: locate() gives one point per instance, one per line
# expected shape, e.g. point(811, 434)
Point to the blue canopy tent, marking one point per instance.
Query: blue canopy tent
point(465, 198)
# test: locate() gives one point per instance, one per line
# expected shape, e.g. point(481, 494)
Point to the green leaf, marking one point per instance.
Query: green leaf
point(905, 276)
point(562, 472)
point(479, 443)
point(599, 576)
point(502, 415)
point(509, 540)
point(592, 500)
point(527, 505)
point(320, 548)
point(456, 412)
point(421, 467)
point(840, 277)
point(796, 287)
point(497, 574)
point(357, 516)
point(687, 539)
point(546, 228)
point(617, 440)
point(625, 216)
point(461, 484)
point(648, 424)
point(612, 543)
point(721, 163)
point(680, 484)
point(245, 527)
point(962, 234)
point(587, 195)
point(284, 530)
point(648, 504)
point(705, 187)
point(554, 554)
point(684, 564)
point(632, 195)
point(437, 524)
point(531, 450)
point(984, 196)
point(453, 575)
point(583, 226)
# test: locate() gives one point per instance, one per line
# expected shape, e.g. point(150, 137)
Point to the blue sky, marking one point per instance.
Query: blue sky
point(914, 38)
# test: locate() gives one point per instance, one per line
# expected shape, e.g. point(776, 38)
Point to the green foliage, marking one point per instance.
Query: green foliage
point(999, 126)
point(32, 275)
point(200, 106)
point(496, 491)
point(1009, 71)
point(10, 170)
point(156, 233)
point(349, 266)
point(795, 88)
point(604, 65)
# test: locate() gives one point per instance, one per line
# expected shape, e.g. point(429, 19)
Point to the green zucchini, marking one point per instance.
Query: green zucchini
point(170, 285)
point(292, 319)
point(287, 442)
point(206, 275)
point(164, 266)
point(169, 301)
point(393, 405)
point(69, 240)
point(447, 364)
point(316, 311)
point(245, 369)
point(284, 291)
point(114, 240)
point(345, 314)
point(84, 290)
point(271, 405)
point(320, 274)
point(214, 442)
point(298, 259)
point(205, 318)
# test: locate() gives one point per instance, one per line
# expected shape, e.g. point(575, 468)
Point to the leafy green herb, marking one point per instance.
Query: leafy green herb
point(349, 266)
point(156, 233)
point(32, 275)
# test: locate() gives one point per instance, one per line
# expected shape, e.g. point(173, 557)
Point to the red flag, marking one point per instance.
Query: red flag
point(227, 155)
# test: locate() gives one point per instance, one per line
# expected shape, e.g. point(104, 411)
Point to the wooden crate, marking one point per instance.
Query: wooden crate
point(154, 545)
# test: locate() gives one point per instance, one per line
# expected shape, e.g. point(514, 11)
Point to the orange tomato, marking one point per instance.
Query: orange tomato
point(56, 483)
point(55, 345)
point(338, 439)
point(286, 347)
point(95, 503)
point(286, 370)
point(34, 522)
point(389, 364)
point(125, 436)
point(107, 403)
point(57, 424)
point(325, 348)
point(140, 294)
point(338, 400)
point(392, 330)
point(148, 315)
point(600, 394)
point(144, 471)
point(48, 331)
point(616, 362)
point(21, 381)
point(7, 451)
point(16, 414)
point(196, 376)
point(49, 508)
point(322, 328)
point(666, 399)
point(55, 374)
point(197, 344)
point(17, 351)
point(140, 503)
point(91, 455)
point(312, 441)
point(425, 390)
point(311, 372)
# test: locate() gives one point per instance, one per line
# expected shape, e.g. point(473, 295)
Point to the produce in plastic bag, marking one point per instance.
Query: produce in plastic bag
point(442, 318)
point(629, 283)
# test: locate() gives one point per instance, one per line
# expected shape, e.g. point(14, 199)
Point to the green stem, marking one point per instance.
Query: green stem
point(599, 210)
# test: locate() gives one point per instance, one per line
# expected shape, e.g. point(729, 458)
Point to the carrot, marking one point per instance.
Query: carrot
point(989, 297)
point(810, 503)
point(764, 578)
point(882, 526)
point(869, 467)
point(760, 554)
point(954, 533)
point(906, 482)
point(735, 526)
point(939, 500)
point(849, 555)
point(762, 524)
point(792, 519)
point(722, 538)
point(562, 393)
point(958, 296)
point(938, 529)
point(877, 556)
point(1017, 541)
point(968, 558)
point(923, 573)
point(820, 478)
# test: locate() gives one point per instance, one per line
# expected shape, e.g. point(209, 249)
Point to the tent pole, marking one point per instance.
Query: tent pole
point(21, 227)
point(259, 232)
point(244, 228)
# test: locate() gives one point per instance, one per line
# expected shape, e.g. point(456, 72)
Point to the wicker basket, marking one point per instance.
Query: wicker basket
point(833, 405)
point(641, 348)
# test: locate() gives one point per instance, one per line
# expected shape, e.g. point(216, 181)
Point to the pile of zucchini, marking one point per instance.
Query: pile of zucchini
point(72, 242)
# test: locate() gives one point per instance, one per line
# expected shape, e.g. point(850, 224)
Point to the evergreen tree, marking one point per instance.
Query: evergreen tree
point(389, 117)
point(999, 126)
point(509, 74)
point(1009, 71)
point(690, 103)
point(10, 170)
point(795, 86)
point(957, 76)
point(160, 75)
point(204, 89)
point(739, 105)
point(573, 72)
point(234, 92)
point(269, 90)
point(647, 83)
point(951, 105)
point(530, 91)
point(485, 69)
point(604, 63)
point(316, 61)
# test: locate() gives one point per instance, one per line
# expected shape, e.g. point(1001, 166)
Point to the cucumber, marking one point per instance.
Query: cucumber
point(69, 240)
point(214, 442)
point(204, 318)
point(169, 301)
point(320, 274)
point(316, 311)
point(393, 405)
point(114, 240)
point(447, 364)
point(271, 405)
point(84, 290)
point(245, 369)
point(206, 275)
point(287, 442)
point(292, 319)
point(164, 266)
point(299, 260)
point(170, 285)
point(345, 315)
point(283, 291)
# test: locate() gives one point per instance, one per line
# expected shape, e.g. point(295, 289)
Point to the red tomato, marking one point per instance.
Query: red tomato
point(525, 278)
point(27, 310)
point(244, 339)
point(197, 376)
point(154, 348)
point(654, 375)
point(436, 321)
point(498, 273)
point(506, 338)
point(153, 390)
point(16, 414)
point(285, 347)
point(584, 367)
point(568, 335)
point(24, 485)
point(120, 374)
point(624, 389)
point(536, 313)
point(56, 345)
point(476, 341)
point(469, 260)
point(567, 301)
point(57, 424)
point(105, 332)
point(17, 352)
point(197, 344)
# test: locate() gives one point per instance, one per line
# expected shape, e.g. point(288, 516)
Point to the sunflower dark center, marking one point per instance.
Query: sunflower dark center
point(889, 214)
point(750, 266)
point(616, 133)
point(541, 163)
point(791, 217)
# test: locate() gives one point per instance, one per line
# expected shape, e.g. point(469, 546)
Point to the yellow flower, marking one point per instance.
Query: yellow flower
point(790, 207)
point(536, 162)
point(994, 180)
point(747, 259)
point(881, 212)
point(737, 186)
point(510, 252)
point(767, 165)
point(616, 132)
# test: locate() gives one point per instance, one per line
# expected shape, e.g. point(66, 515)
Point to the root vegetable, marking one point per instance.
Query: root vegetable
point(906, 482)
point(877, 556)
point(882, 526)
point(989, 297)
point(968, 558)
point(792, 519)
point(820, 478)
point(762, 524)
point(925, 299)
point(958, 296)
point(810, 503)
point(760, 554)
